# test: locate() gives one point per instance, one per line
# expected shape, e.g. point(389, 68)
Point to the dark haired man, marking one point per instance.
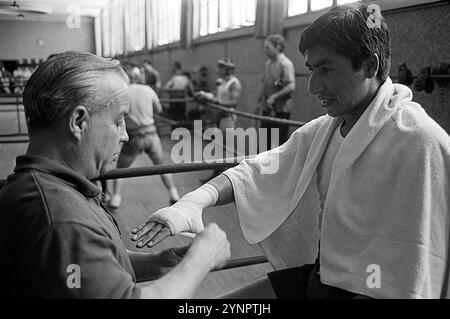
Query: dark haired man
point(57, 240)
point(361, 195)
point(152, 77)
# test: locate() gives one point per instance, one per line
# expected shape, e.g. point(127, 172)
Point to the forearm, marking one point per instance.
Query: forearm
point(288, 89)
point(157, 107)
point(147, 266)
point(218, 191)
point(225, 189)
point(180, 283)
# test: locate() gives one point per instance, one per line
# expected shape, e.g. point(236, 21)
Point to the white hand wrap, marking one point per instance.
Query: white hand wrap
point(186, 214)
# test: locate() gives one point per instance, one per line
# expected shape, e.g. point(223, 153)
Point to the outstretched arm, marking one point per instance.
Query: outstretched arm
point(224, 188)
point(186, 214)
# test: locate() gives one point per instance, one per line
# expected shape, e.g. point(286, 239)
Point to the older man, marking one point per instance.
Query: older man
point(57, 240)
point(361, 195)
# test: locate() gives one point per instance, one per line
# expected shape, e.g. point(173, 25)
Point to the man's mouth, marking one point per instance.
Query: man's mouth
point(115, 157)
point(326, 102)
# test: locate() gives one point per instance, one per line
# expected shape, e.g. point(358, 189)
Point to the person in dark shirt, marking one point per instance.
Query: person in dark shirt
point(152, 77)
point(57, 240)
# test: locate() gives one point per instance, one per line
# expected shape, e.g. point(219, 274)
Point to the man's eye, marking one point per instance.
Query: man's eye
point(326, 70)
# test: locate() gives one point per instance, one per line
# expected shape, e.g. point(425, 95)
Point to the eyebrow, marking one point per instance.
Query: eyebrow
point(124, 113)
point(319, 63)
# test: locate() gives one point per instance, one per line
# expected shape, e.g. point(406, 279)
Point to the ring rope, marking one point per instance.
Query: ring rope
point(223, 108)
point(171, 168)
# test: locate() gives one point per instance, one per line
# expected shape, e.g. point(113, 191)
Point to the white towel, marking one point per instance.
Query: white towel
point(387, 204)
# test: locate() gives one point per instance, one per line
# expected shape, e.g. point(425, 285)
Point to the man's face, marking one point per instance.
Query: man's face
point(340, 88)
point(221, 71)
point(107, 129)
point(270, 50)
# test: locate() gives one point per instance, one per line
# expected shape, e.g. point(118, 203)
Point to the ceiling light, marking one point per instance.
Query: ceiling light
point(14, 5)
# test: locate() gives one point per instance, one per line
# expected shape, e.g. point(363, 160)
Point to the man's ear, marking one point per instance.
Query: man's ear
point(372, 65)
point(78, 121)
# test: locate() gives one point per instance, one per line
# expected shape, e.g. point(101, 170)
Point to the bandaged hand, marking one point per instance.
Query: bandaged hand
point(183, 216)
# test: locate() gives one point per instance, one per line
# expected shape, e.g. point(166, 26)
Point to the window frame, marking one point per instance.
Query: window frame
point(197, 35)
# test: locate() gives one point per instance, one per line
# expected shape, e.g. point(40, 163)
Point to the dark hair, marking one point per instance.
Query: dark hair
point(347, 31)
point(187, 74)
point(64, 81)
point(177, 65)
point(277, 40)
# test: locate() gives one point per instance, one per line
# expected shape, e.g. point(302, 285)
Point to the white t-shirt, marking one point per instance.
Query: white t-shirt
point(143, 99)
point(225, 90)
point(325, 168)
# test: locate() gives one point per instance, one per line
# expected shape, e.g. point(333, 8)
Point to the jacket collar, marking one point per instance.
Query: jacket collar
point(69, 176)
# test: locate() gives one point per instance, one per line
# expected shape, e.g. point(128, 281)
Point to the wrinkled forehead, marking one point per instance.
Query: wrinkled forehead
point(115, 90)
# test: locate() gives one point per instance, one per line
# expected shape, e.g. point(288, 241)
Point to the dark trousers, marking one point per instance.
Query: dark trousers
point(304, 283)
point(177, 111)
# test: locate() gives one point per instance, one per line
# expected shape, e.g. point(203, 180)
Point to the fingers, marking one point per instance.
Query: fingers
point(159, 237)
point(150, 234)
point(137, 229)
point(143, 229)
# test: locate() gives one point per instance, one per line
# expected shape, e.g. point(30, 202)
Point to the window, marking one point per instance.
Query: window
point(296, 7)
point(135, 16)
point(339, 2)
point(106, 34)
point(320, 4)
point(212, 16)
point(116, 26)
point(166, 21)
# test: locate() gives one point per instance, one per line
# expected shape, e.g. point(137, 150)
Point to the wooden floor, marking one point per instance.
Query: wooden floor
point(144, 195)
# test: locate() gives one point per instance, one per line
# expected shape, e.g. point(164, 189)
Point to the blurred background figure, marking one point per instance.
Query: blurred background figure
point(179, 87)
point(151, 75)
point(5, 79)
point(227, 94)
point(142, 135)
point(278, 86)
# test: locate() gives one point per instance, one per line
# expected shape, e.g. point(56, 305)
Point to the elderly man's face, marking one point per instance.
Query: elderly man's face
point(107, 127)
point(340, 89)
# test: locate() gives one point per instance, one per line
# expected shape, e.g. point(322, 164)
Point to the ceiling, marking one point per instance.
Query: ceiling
point(57, 9)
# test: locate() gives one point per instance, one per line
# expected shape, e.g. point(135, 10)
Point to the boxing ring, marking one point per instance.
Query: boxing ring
point(223, 163)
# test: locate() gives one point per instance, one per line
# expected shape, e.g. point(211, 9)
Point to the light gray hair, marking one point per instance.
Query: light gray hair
point(64, 81)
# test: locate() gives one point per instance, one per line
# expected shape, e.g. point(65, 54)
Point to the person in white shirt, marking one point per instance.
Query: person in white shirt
point(179, 87)
point(142, 134)
point(227, 94)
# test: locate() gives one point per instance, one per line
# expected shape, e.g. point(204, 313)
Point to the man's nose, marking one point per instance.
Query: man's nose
point(124, 135)
point(315, 84)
